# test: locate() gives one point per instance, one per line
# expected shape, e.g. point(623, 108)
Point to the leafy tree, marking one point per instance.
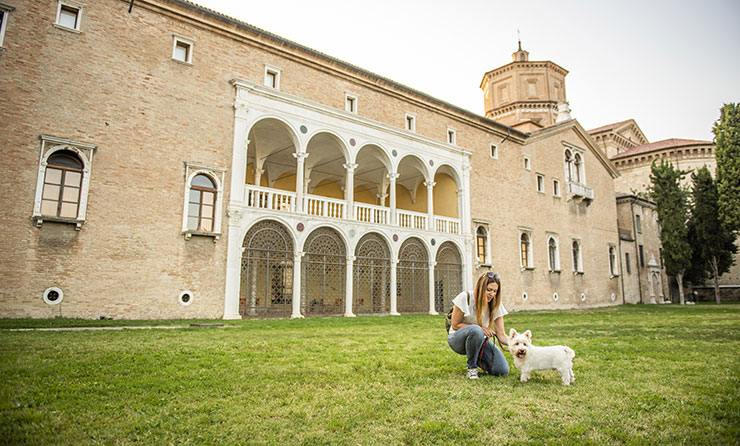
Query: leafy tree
point(672, 206)
point(714, 245)
point(727, 151)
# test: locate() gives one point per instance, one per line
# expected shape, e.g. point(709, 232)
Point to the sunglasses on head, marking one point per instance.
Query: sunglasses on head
point(492, 276)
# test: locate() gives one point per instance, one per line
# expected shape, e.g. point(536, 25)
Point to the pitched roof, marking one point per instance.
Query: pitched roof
point(661, 145)
point(607, 127)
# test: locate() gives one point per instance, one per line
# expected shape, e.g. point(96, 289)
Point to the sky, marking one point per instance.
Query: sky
point(669, 65)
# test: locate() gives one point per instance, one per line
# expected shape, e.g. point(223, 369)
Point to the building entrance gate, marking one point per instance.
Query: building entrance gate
point(447, 277)
point(372, 276)
point(413, 278)
point(324, 274)
point(266, 271)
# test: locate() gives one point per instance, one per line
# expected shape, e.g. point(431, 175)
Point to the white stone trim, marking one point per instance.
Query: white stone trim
point(217, 174)
point(184, 302)
point(50, 145)
point(272, 70)
point(451, 137)
point(530, 259)
point(48, 291)
point(409, 122)
point(5, 12)
point(493, 153)
point(352, 99)
point(184, 40)
point(526, 162)
point(556, 266)
point(70, 4)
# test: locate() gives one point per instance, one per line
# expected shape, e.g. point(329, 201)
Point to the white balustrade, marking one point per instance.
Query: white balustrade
point(324, 206)
point(413, 220)
point(268, 198)
point(371, 213)
point(580, 190)
point(446, 224)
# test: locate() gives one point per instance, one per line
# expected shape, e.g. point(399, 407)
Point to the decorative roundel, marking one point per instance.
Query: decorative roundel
point(300, 227)
point(431, 162)
point(583, 296)
point(304, 129)
point(185, 298)
point(613, 296)
point(395, 237)
point(434, 242)
point(555, 297)
point(53, 296)
point(351, 232)
point(524, 296)
point(352, 142)
point(394, 152)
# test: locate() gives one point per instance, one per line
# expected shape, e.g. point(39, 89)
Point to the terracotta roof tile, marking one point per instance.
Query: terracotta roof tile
point(661, 145)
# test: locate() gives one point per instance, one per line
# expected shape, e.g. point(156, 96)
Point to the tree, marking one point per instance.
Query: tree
point(727, 151)
point(672, 206)
point(714, 245)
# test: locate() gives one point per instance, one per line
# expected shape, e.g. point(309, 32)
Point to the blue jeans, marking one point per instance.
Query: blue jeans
point(468, 341)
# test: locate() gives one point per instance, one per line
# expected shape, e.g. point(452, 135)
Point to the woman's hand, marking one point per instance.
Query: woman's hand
point(488, 332)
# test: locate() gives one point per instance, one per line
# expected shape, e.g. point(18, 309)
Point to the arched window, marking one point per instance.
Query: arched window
point(576, 256)
point(62, 185)
point(481, 242)
point(524, 243)
point(568, 161)
point(577, 166)
point(201, 204)
point(552, 252)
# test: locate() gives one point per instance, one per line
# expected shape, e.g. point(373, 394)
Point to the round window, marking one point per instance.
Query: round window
point(583, 296)
point(185, 298)
point(555, 297)
point(613, 296)
point(53, 296)
point(524, 296)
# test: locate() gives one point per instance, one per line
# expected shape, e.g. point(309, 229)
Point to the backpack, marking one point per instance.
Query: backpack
point(448, 317)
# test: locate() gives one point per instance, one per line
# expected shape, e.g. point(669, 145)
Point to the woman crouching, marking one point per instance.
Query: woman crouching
point(472, 324)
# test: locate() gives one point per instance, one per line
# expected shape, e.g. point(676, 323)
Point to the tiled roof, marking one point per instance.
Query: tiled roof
point(608, 127)
point(661, 145)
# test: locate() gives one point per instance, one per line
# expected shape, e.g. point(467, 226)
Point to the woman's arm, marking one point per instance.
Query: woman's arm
point(457, 318)
point(498, 324)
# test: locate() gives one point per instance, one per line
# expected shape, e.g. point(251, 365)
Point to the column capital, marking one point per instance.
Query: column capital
point(351, 258)
point(350, 166)
point(429, 184)
point(298, 255)
point(300, 156)
point(393, 176)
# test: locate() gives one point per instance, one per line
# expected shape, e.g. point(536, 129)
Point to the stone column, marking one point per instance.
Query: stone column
point(300, 161)
point(430, 204)
point(392, 178)
point(349, 190)
point(258, 175)
point(233, 264)
point(432, 310)
point(394, 288)
point(349, 292)
point(296, 311)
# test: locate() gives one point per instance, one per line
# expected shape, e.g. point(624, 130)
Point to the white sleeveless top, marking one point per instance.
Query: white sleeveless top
point(468, 309)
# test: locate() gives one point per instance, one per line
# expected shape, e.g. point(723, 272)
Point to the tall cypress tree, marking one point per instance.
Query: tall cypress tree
point(727, 151)
point(714, 245)
point(672, 205)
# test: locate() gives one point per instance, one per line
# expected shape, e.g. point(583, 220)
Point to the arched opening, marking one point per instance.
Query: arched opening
point(447, 276)
point(413, 277)
point(372, 271)
point(325, 176)
point(270, 161)
point(266, 271)
point(62, 185)
point(324, 273)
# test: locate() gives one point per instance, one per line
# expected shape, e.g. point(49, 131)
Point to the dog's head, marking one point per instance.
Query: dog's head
point(519, 343)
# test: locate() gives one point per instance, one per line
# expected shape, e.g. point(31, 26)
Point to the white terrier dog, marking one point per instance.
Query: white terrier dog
point(529, 358)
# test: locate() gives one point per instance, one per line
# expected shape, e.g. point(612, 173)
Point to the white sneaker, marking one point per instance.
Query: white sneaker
point(472, 373)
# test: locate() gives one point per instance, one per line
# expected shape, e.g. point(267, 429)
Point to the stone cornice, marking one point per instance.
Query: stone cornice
point(523, 66)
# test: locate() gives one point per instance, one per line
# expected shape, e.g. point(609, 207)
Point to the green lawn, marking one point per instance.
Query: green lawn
point(644, 375)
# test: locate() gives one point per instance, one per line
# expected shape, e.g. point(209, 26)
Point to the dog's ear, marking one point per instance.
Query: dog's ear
point(512, 333)
point(528, 334)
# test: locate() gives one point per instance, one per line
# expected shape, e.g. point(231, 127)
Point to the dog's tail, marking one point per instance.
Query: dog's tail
point(569, 353)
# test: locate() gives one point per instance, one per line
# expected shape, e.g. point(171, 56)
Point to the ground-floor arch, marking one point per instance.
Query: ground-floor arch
point(413, 277)
point(448, 280)
point(372, 275)
point(324, 270)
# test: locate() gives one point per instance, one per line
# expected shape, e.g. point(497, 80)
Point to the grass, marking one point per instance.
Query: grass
point(644, 375)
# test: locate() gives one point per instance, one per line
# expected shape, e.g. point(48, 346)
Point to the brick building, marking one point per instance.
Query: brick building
point(174, 162)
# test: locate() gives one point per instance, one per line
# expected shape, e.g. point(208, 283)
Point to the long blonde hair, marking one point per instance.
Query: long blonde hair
point(480, 297)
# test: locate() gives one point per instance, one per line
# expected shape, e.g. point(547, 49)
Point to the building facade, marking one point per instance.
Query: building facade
point(173, 162)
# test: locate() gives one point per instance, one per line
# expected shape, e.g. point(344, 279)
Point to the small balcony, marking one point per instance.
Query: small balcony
point(260, 197)
point(580, 191)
